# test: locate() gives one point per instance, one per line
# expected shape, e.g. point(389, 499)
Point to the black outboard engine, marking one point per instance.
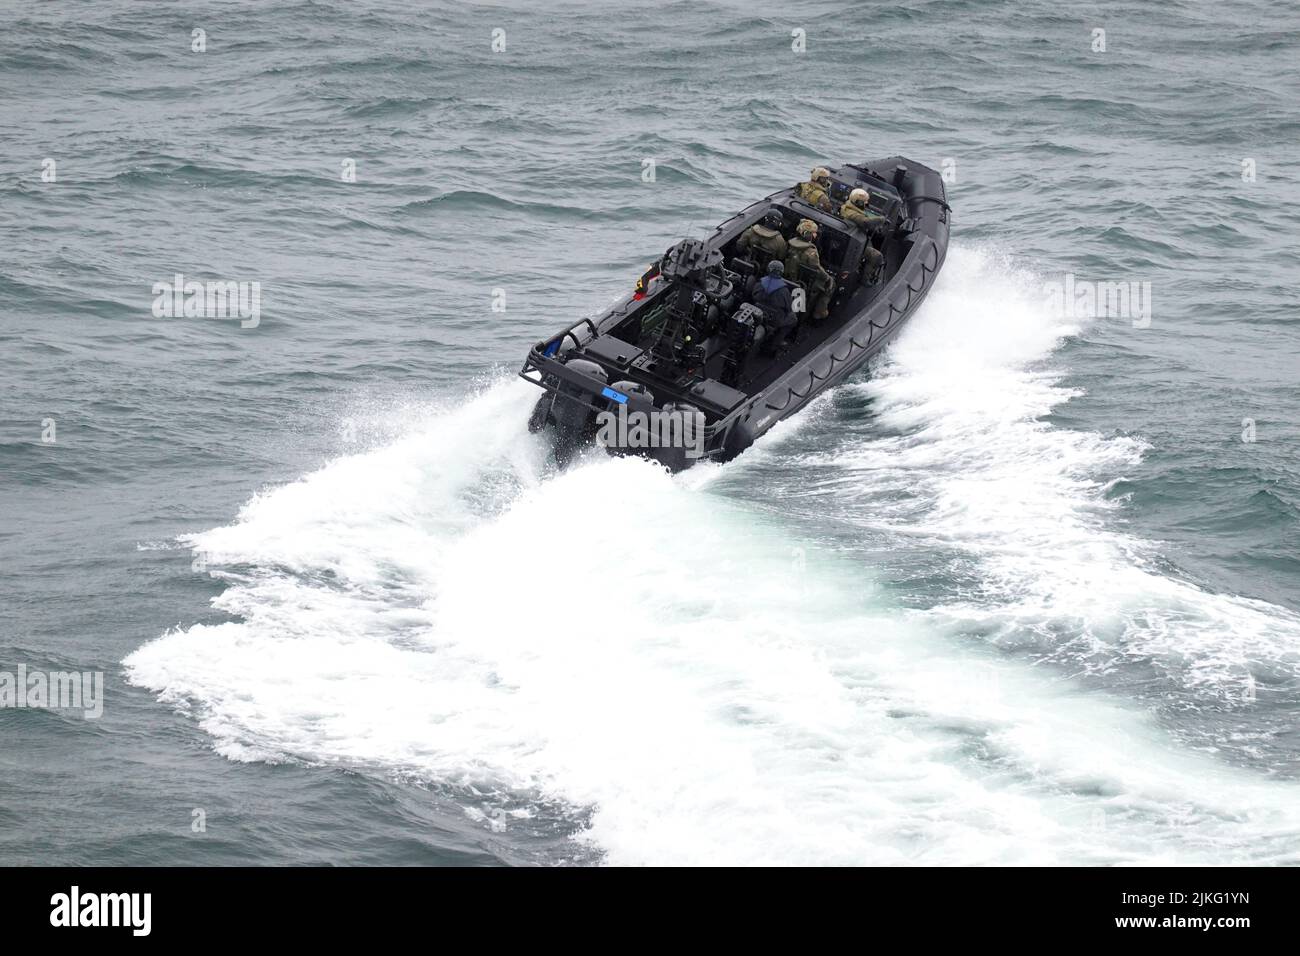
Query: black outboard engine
point(743, 330)
point(631, 388)
point(686, 433)
point(574, 418)
point(618, 430)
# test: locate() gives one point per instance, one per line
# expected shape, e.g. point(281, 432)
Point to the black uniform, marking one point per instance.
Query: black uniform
point(772, 295)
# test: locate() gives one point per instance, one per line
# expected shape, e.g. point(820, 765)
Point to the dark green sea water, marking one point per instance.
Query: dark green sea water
point(1022, 594)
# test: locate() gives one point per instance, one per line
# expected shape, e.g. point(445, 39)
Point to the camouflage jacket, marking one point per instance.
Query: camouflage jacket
point(814, 195)
point(761, 237)
point(866, 219)
point(802, 253)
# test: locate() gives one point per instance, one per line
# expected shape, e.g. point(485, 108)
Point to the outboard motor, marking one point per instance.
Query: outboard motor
point(575, 338)
point(684, 430)
point(541, 416)
point(574, 418)
point(631, 388)
point(621, 430)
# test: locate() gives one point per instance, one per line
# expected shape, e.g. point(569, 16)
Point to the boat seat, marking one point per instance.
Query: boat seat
point(748, 272)
point(803, 280)
point(714, 344)
point(761, 260)
point(742, 264)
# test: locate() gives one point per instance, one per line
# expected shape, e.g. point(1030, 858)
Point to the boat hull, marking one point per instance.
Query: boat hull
point(923, 233)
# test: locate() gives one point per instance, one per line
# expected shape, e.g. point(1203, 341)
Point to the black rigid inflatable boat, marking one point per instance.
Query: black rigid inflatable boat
point(678, 372)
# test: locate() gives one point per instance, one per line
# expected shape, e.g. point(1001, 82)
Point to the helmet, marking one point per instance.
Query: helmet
point(775, 268)
point(807, 229)
point(819, 173)
point(773, 220)
point(859, 197)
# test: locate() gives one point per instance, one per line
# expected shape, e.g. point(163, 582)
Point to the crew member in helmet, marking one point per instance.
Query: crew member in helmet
point(858, 211)
point(817, 282)
point(764, 238)
point(817, 191)
point(773, 296)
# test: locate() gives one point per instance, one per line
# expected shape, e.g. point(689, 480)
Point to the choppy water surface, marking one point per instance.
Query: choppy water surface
point(1022, 594)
